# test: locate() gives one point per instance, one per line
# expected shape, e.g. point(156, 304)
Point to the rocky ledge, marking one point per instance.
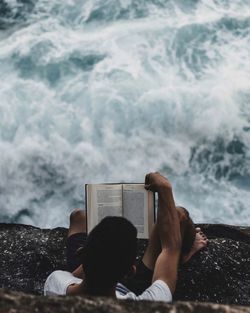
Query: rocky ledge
point(219, 274)
point(17, 302)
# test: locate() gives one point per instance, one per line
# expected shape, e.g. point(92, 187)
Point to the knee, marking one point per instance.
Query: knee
point(77, 216)
point(182, 213)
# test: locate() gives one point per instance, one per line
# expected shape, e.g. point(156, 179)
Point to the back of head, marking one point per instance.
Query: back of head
point(109, 253)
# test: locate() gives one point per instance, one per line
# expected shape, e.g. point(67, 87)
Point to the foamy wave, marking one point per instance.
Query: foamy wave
point(100, 91)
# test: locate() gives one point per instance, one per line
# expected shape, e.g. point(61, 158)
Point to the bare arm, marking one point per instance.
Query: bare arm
point(168, 230)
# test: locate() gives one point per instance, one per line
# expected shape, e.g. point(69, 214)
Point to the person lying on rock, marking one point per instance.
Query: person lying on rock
point(109, 253)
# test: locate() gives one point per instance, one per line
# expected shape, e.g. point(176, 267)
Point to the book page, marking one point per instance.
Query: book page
point(136, 207)
point(106, 200)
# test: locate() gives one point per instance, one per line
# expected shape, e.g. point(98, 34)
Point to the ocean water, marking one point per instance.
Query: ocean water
point(108, 90)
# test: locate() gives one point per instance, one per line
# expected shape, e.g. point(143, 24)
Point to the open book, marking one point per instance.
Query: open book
point(131, 201)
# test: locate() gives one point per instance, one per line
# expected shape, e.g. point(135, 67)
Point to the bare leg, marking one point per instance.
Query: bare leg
point(77, 222)
point(77, 225)
point(200, 242)
point(188, 234)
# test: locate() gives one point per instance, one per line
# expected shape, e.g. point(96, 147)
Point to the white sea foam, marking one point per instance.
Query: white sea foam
point(100, 91)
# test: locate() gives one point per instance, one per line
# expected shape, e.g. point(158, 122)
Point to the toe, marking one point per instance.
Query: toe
point(202, 234)
point(205, 242)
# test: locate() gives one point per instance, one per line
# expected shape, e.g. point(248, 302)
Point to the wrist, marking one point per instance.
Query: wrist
point(165, 189)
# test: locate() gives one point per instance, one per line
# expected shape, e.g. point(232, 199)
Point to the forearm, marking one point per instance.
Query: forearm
point(167, 220)
point(166, 268)
point(168, 227)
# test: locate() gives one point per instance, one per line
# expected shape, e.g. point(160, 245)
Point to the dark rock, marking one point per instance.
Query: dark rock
point(28, 255)
point(14, 302)
point(220, 273)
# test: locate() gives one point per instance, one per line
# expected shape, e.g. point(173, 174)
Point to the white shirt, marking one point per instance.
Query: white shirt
point(58, 282)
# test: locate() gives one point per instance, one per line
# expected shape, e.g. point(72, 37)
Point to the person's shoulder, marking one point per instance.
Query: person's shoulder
point(158, 291)
point(58, 282)
point(160, 284)
point(58, 274)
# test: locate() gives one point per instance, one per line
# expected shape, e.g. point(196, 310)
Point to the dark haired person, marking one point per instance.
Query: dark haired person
point(109, 253)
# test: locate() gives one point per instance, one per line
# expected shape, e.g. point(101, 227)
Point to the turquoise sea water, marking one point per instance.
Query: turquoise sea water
point(107, 90)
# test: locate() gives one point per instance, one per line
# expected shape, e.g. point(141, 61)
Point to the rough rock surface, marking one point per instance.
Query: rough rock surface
point(13, 302)
point(220, 273)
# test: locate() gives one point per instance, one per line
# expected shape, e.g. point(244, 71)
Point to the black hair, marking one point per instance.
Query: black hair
point(109, 253)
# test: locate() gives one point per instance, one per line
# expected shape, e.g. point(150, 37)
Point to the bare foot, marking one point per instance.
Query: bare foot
point(200, 242)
